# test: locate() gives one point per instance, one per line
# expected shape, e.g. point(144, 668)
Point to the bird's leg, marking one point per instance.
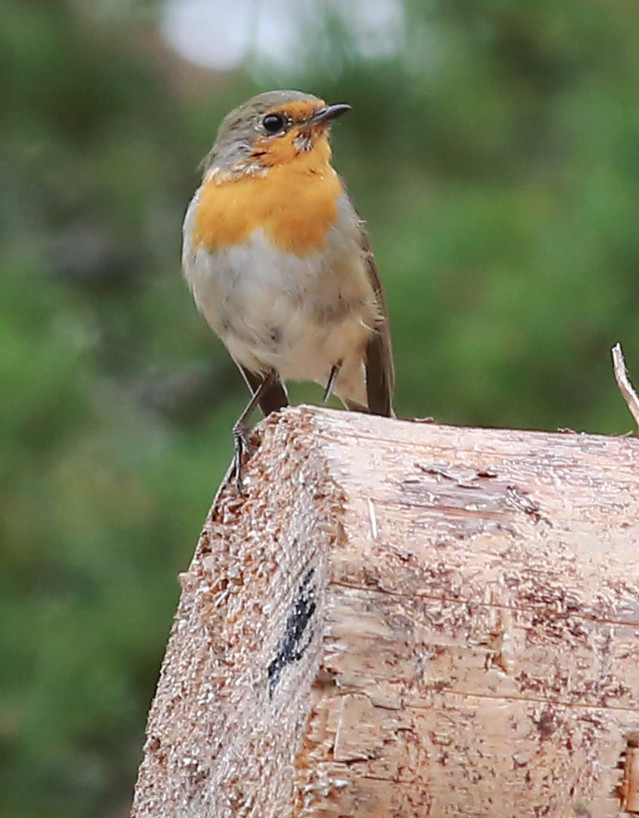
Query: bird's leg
point(331, 381)
point(241, 428)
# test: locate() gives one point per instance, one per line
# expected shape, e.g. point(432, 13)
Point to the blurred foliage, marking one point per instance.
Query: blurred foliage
point(495, 158)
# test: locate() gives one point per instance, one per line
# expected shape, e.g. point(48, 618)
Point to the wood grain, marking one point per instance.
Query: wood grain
point(404, 619)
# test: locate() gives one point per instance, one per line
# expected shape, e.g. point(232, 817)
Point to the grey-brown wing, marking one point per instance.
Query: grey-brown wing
point(380, 371)
point(273, 399)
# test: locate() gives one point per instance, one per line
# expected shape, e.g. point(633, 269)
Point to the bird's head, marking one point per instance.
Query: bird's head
point(273, 129)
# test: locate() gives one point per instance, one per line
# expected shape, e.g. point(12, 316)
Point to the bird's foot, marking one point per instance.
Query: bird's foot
point(242, 446)
point(331, 381)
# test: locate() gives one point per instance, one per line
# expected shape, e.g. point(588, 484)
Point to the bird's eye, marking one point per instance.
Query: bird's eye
point(273, 123)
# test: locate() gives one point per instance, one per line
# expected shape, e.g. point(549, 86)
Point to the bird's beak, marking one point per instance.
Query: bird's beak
point(327, 114)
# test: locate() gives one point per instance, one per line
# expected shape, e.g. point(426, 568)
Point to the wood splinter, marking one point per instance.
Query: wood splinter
point(623, 382)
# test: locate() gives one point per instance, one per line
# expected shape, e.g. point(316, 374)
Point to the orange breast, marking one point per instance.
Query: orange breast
point(295, 204)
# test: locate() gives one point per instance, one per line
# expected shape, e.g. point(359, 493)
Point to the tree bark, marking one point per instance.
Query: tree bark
point(403, 619)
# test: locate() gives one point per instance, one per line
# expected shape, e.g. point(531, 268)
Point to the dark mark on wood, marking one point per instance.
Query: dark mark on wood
point(291, 647)
point(547, 723)
point(522, 502)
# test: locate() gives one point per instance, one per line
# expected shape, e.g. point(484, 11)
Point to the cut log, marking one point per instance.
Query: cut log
point(403, 619)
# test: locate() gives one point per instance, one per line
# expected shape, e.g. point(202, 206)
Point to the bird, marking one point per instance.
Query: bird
point(279, 261)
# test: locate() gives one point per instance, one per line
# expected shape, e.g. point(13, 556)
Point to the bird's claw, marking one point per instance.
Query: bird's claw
point(241, 445)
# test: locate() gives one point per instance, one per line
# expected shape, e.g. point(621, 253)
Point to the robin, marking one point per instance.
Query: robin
point(279, 261)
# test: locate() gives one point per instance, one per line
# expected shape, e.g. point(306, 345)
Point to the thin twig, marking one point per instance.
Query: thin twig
point(623, 382)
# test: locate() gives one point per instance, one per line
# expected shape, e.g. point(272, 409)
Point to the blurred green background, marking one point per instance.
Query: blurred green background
point(493, 148)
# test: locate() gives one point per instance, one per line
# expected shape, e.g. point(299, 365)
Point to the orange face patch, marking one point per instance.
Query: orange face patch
point(301, 110)
point(294, 203)
point(278, 150)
